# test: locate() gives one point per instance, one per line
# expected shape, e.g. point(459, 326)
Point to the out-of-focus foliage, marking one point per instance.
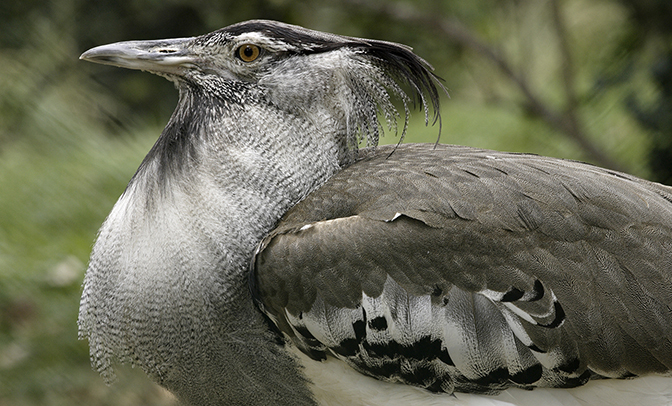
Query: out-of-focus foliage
point(583, 79)
point(651, 26)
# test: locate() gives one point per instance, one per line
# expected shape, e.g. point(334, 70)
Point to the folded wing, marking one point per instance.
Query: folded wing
point(457, 269)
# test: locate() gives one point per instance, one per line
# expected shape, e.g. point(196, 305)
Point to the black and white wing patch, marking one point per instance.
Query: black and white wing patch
point(475, 272)
point(410, 339)
point(434, 335)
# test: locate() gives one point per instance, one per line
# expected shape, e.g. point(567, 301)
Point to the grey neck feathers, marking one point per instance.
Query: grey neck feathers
point(170, 261)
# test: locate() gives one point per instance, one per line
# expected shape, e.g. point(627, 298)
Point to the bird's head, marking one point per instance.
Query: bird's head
point(296, 70)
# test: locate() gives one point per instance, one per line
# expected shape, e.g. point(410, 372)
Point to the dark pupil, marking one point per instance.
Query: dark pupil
point(248, 51)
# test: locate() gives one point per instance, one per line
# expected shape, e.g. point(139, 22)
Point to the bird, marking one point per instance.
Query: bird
point(269, 252)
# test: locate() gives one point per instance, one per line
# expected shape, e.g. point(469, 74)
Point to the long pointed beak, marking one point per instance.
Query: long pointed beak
point(170, 56)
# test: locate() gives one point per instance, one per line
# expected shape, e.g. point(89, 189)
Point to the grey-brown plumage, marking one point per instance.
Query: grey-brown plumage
point(255, 225)
point(583, 252)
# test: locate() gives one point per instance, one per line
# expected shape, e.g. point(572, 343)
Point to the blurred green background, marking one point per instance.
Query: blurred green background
point(581, 79)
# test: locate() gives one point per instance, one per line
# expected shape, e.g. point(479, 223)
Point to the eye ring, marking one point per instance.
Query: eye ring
point(248, 52)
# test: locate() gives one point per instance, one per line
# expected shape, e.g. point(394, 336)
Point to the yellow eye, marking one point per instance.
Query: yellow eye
point(248, 52)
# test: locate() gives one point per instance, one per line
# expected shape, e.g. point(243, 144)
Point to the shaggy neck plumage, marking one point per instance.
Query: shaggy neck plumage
point(178, 302)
